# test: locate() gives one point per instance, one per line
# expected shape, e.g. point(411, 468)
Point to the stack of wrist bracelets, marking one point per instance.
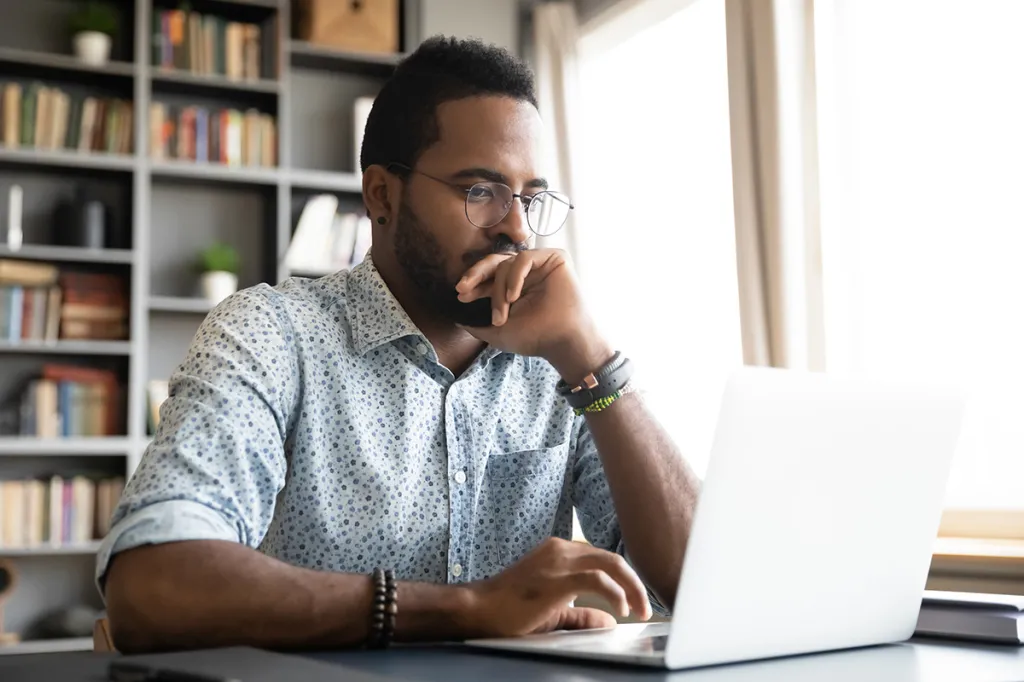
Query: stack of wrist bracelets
point(600, 389)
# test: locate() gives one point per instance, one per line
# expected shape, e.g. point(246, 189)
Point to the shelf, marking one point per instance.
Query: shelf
point(67, 347)
point(179, 304)
point(190, 170)
point(48, 646)
point(208, 5)
point(309, 56)
point(66, 159)
point(96, 446)
point(185, 81)
point(67, 254)
point(62, 63)
point(47, 550)
point(309, 274)
point(325, 181)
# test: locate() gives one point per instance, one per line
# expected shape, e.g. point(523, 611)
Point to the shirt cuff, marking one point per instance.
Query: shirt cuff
point(169, 521)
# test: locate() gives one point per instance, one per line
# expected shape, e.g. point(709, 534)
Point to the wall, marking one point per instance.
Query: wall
point(493, 21)
point(588, 9)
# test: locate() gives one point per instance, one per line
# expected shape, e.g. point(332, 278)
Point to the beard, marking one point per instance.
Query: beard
point(421, 257)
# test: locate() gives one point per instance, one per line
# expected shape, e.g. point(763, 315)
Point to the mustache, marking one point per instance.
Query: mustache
point(503, 244)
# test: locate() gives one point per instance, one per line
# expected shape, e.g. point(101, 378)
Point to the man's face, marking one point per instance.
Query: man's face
point(481, 139)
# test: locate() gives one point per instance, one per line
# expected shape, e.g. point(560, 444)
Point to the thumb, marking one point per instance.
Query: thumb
point(485, 334)
point(584, 618)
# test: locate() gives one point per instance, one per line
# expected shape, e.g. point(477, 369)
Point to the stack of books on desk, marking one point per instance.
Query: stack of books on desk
point(975, 616)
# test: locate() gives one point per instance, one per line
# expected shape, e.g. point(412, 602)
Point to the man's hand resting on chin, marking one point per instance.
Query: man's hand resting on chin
point(537, 310)
point(533, 595)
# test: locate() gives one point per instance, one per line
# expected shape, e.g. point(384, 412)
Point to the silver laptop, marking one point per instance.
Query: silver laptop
point(814, 528)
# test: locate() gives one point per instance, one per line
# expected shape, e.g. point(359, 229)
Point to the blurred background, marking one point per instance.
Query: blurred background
point(819, 184)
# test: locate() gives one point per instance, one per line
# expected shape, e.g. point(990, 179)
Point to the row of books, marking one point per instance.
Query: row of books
point(228, 136)
point(67, 401)
point(29, 314)
point(58, 510)
point(207, 44)
point(40, 302)
point(327, 240)
point(43, 116)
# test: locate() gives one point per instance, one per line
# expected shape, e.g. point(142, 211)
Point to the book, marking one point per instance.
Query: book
point(972, 616)
point(40, 116)
point(58, 510)
point(206, 44)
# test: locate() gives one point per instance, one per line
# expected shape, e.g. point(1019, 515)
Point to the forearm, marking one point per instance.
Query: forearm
point(653, 488)
point(208, 593)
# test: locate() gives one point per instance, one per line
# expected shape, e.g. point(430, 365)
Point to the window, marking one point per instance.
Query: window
point(921, 142)
point(656, 246)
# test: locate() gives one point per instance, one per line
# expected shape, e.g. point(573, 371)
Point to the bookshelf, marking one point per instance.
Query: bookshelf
point(163, 211)
point(85, 548)
point(169, 208)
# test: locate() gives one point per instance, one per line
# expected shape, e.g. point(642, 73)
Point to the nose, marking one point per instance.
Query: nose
point(513, 225)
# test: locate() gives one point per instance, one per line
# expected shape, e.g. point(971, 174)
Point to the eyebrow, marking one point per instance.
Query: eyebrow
point(491, 175)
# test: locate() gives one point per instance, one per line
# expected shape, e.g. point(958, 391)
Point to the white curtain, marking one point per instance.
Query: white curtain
point(775, 176)
point(556, 35)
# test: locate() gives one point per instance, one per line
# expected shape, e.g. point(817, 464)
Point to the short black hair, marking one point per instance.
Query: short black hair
point(403, 120)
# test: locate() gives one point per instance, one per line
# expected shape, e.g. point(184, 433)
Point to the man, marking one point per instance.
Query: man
point(411, 415)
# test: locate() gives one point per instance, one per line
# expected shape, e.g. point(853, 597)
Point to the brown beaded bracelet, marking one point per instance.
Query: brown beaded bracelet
point(385, 608)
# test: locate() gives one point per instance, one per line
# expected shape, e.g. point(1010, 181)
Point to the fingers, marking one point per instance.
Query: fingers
point(481, 271)
point(623, 574)
point(582, 618)
point(519, 269)
point(597, 582)
point(501, 278)
point(499, 297)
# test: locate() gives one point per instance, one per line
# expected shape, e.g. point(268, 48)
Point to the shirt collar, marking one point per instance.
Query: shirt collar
point(376, 317)
point(374, 314)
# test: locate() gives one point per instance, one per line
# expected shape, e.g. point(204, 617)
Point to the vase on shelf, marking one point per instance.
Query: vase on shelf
point(219, 265)
point(218, 285)
point(92, 47)
point(91, 26)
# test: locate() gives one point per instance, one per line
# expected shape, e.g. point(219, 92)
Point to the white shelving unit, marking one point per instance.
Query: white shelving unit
point(48, 646)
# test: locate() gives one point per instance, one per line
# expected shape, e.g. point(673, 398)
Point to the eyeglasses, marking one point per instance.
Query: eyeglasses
point(487, 204)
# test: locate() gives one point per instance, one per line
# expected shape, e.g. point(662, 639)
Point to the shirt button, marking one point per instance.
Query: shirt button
point(421, 349)
point(460, 476)
point(457, 570)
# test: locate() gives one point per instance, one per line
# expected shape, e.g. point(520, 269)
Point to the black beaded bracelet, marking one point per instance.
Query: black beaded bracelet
point(385, 608)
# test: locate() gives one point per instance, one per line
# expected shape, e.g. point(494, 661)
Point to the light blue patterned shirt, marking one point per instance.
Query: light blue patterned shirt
point(312, 421)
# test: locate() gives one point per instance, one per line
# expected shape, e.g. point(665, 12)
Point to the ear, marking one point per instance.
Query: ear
point(380, 193)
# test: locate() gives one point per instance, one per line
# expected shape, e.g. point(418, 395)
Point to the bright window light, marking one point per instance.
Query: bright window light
point(656, 241)
point(922, 141)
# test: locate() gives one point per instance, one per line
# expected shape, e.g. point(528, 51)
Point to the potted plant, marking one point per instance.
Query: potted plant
point(219, 266)
point(92, 27)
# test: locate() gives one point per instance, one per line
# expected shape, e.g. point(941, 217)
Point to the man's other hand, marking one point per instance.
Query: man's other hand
point(533, 595)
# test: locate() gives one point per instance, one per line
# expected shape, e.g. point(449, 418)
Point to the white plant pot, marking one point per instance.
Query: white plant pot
point(218, 285)
point(92, 47)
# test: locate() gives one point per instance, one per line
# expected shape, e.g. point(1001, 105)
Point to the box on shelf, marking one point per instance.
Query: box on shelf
point(357, 25)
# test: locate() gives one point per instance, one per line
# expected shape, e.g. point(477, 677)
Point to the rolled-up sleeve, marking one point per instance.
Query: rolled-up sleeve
point(217, 461)
point(592, 499)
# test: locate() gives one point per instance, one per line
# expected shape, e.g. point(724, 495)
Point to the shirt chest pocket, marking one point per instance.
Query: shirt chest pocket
point(524, 491)
point(527, 463)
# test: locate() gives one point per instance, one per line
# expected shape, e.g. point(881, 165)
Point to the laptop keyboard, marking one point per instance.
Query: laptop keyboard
point(637, 643)
point(648, 645)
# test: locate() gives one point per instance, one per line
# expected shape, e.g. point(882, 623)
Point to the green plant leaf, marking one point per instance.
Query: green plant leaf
point(95, 16)
point(219, 257)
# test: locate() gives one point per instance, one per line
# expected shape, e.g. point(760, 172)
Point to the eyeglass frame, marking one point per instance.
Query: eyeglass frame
point(524, 199)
